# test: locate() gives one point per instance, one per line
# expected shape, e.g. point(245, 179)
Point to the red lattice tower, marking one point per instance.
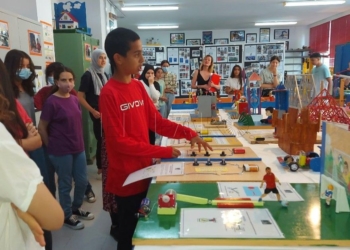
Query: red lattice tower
point(325, 106)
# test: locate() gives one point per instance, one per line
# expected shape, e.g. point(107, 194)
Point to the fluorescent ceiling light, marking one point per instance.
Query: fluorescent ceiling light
point(149, 7)
point(275, 23)
point(312, 3)
point(148, 27)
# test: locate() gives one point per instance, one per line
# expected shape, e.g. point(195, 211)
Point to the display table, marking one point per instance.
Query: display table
point(308, 223)
point(234, 173)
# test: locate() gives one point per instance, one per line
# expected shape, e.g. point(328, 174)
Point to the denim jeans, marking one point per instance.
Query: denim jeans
point(68, 168)
point(169, 102)
point(163, 110)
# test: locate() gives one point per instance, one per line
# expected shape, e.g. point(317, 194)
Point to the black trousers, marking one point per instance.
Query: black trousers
point(97, 128)
point(127, 208)
point(152, 137)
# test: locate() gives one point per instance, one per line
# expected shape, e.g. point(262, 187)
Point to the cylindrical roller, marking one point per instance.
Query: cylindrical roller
point(191, 199)
point(236, 205)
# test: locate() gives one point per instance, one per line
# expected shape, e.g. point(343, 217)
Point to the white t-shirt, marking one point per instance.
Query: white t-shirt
point(19, 178)
point(232, 83)
point(153, 93)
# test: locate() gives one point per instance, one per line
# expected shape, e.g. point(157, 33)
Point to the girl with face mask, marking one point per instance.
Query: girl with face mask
point(60, 128)
point(44, 93)
point(22, 74)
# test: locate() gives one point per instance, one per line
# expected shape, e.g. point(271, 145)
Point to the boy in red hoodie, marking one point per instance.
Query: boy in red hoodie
point(127, 113)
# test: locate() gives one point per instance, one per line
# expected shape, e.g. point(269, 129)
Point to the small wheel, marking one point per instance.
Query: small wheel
point(293, 166)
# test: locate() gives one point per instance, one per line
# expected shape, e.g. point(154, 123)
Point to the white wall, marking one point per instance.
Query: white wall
point(26, 8)
point(44, 10)
point(96, 19)
point(298, 35)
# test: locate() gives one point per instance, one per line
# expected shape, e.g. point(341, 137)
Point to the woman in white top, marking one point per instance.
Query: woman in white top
point(158, 76)
point(153, 89)
point(270, 78)
point(26, 205)
point(235, 82)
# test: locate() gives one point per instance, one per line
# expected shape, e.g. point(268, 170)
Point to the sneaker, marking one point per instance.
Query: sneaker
point(90, 196)
point(73, 223)
point(260, 199)
point(84, 215)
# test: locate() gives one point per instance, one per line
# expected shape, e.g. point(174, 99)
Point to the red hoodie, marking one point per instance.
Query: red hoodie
point(127, 113)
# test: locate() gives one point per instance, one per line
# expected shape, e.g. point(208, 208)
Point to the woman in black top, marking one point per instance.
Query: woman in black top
point(91, 84)
point(202, 78)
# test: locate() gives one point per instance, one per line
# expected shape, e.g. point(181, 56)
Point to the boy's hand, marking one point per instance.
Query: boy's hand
point(32, 224)
point(176, 153)
point(200, 143)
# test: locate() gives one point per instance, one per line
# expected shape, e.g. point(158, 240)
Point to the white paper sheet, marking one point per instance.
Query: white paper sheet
point(166, 168)
point(228, 223)
point(252, 190)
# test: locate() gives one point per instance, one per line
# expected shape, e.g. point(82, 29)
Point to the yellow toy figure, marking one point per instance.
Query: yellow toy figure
point(328, 194)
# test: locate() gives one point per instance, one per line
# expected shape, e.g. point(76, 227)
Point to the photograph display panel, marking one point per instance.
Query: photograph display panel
point(225, 58)
point(184, 61)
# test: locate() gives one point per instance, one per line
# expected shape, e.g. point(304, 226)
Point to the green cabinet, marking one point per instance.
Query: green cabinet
point(74, 51)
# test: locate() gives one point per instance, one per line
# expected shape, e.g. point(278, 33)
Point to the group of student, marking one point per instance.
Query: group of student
point(57, 145)
point(127, 115)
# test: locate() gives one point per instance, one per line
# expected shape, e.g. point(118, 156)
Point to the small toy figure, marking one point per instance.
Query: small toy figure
point(269, 112)
point(271, 180)
point(328, 194)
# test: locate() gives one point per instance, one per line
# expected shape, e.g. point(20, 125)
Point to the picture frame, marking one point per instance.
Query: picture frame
point(281, 34)
point(87, 51)
point(237, 36)
point(207, 37)
point(5, 37)
point(177, 38)
point(221, 41)
point(35, 43)
point(193, 42)
point(264, 35)
point(251, 38)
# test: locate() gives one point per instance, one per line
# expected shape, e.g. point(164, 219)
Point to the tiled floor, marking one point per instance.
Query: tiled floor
point(95, 235)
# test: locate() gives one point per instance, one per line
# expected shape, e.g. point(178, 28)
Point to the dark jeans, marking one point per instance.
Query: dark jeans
point(98, 135)
point(128, 206)
point(50, 171)
point(39, 157)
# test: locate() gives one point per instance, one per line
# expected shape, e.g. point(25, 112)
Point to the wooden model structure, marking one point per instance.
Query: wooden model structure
point(301, 90)
point(295, 132)
point(324, 106)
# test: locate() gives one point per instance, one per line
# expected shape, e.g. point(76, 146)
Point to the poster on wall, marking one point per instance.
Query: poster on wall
point(49, 53)
point(87, 51)
point(34, 43)
point(257, 57)
point(183, 62)
point(153, 55)
point(4, 35)
point(70, 15)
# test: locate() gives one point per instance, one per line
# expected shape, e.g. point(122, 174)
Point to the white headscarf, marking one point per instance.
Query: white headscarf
point(96, 69)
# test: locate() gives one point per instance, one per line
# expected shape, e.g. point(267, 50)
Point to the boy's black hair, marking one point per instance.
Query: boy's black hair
point(269, 109)
point(164, 61)
point(118, 42)
point(267, 168)
point(315, 55)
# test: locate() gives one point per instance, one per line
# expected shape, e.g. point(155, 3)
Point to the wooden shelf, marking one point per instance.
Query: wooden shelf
point(298, 50)
point(292, 64)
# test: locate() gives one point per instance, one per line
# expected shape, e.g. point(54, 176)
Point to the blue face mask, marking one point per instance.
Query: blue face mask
point(24, 73)
point(165, 69)
point(50, 80)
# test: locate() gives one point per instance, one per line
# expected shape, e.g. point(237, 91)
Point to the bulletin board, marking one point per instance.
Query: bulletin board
point(257, 57)
point(153, 55)
point(225, 58)
point(184, 61)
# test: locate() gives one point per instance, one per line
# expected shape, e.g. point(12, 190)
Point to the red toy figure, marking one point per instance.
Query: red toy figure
point(271, 180)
